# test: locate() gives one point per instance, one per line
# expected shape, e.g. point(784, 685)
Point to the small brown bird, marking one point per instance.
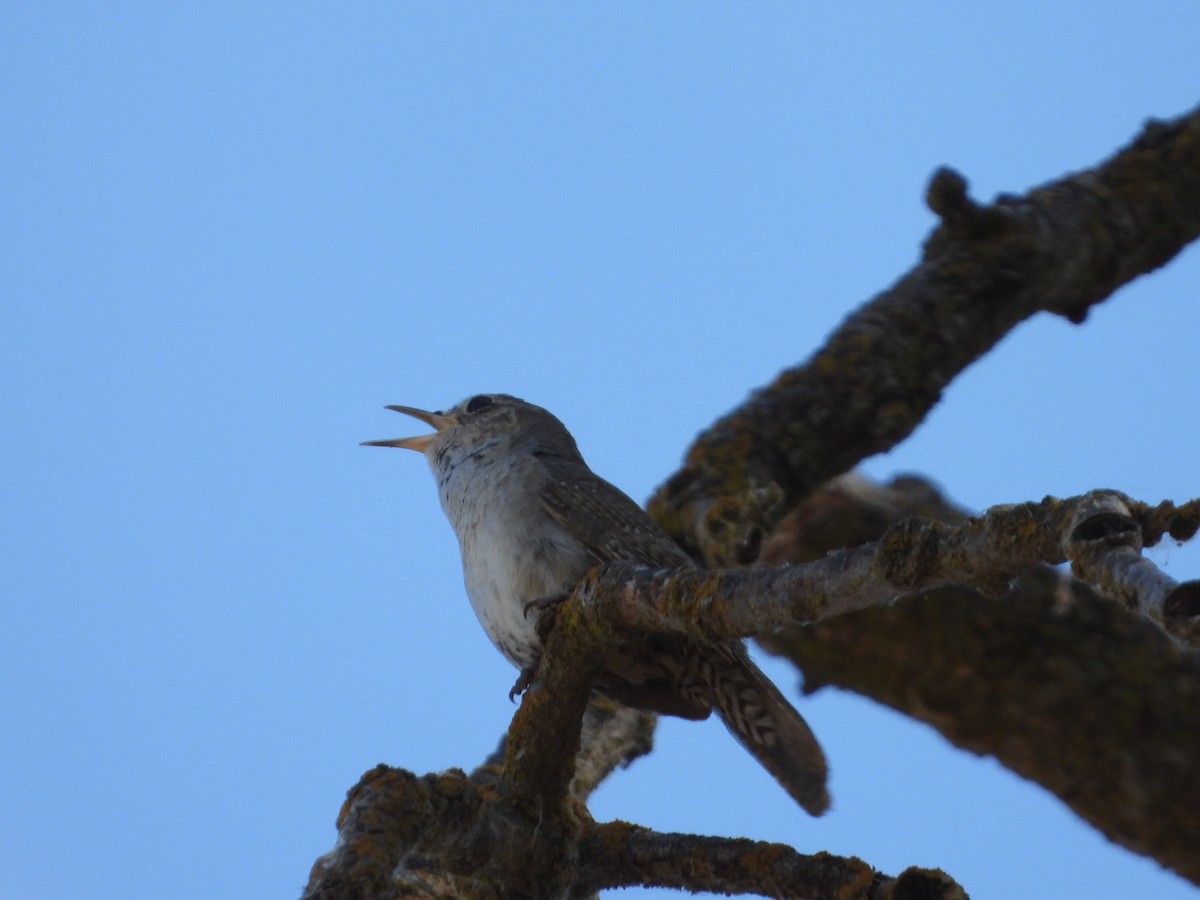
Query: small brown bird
point(532, 519)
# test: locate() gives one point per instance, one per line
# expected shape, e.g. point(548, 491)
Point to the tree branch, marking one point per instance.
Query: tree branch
point(401, 836)
point(1062, 686)
point(619, 855)
point(518, 831)
point(912, 555)
point(1003, 677)
point(1104, 543)
point(612, 736)
point(1062, 248)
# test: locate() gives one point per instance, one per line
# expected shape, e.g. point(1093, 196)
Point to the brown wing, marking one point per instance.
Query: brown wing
point(679, 676)
point(602, 518)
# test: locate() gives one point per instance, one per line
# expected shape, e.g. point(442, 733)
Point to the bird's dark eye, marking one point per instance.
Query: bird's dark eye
point(478, 402)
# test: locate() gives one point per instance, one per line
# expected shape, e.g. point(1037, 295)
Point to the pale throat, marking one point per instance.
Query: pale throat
point(512, 553)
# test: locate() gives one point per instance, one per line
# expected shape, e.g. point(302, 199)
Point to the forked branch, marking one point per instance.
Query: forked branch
point(1061, 248)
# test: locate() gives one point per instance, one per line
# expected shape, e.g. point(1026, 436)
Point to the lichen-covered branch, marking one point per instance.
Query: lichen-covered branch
point(517, 829)
point(1061, 248)
point(981, 691)
point(511, 833)
point(618, 855)
point(612, 736)
point(916, 554)
point(1003, 673)
point(437, 836)
point(1063, 687)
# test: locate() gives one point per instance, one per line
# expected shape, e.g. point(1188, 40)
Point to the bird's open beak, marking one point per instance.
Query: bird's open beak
point(421, 441)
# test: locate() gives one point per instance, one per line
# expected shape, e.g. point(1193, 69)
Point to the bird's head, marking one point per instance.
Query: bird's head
point(484, 420)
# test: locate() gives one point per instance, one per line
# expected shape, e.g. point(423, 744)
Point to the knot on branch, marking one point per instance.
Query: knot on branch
point(1111, 527)
point(946, 195)
point(1104, 543)
point(1156, 132)
point(962, 217)
point(924, 884)
point(735, 526)
point(1104, 517)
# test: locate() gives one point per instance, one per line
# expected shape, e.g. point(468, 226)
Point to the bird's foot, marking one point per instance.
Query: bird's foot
point(524, 680)
point(529, 672)
point(544, 604)
point(544, 623)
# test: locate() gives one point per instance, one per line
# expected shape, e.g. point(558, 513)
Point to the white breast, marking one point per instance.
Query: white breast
point(513, 553)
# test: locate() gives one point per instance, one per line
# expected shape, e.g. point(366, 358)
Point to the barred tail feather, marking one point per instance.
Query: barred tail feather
point(763, 721)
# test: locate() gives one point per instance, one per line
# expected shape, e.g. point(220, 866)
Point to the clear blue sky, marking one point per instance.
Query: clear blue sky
point(231, 234)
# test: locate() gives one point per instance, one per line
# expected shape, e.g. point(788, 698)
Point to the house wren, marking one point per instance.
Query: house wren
point(532, 519)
